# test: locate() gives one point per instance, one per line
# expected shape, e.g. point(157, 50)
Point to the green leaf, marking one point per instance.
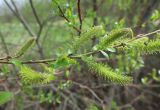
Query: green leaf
point(111, 49)
point(5, 97)
point(63, 62)
point(5, 69)
point(144, 80)
point(67, 74)
point(47, 69)
point(16, 62)
point(92, 107)
point(155, 15)
point(105, 54)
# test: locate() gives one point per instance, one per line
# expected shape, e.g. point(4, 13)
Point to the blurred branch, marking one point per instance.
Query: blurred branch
point(95, 8)
point(40, 27)
point(4, 43)
point(19, 16)
point(95, 19)
point(37, 19)
point(24, 23)
point(130, 103)
point(89, 89)
point(143, 35)
point(145, 13)
point(35, 13)
point(79, 15)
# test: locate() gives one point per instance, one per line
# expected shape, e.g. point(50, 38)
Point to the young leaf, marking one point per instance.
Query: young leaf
point(63, 62)
point(25, 47)
point(47, 69)
point(16, 62)
point(105, 54)
point(5, 97)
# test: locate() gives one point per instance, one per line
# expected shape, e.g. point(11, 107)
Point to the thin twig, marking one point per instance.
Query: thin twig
point(79, 15)
point(143, 35)
point(90, 90)
point(63, 16)
point(40, 28)
point(137, 37)
point(35, 13)
point(4, 44)
point(131, 103)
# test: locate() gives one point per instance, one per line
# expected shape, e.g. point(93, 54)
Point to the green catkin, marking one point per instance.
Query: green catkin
point(151, 47)
point(25, 47)
point(112, 37)
point(95, 31)
point(106, 72)
point(129, 46)
point(30, 76)
point(144, 46)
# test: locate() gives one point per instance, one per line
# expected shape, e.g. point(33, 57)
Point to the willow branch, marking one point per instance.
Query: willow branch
point(74, 56)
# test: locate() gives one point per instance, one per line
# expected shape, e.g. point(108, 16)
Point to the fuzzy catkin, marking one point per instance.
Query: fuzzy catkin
point(106, 72)
point(112, 37)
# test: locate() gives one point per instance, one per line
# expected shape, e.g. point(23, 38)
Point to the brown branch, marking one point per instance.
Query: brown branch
point(131, 103)
point(95, 19)
point(31, 61)
point(95, 8)
point(89, 89)
point(137, 37)
point(40, 28)
point(79, 15)
point(35, 13)
point(37, 19)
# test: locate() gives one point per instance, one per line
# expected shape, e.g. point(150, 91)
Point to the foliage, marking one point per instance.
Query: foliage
point(5, 97)
point(92, 107)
